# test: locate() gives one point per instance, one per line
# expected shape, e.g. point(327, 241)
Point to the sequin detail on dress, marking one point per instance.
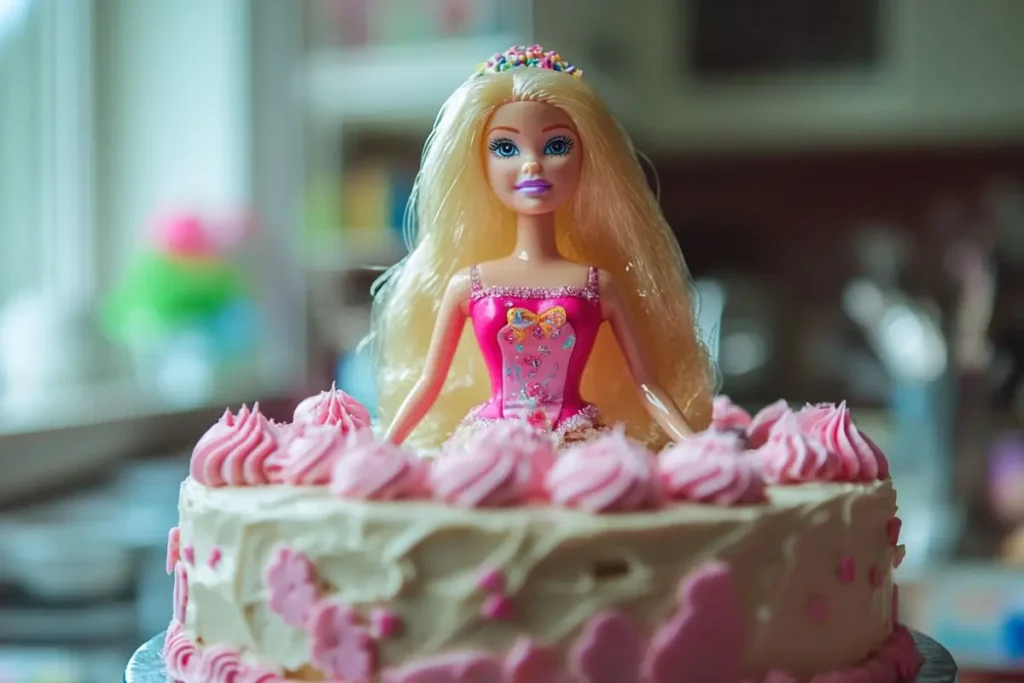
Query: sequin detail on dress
point(479, 291)
point(536, 341)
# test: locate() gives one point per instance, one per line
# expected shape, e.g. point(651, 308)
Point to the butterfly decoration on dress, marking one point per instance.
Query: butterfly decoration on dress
point(544, 325)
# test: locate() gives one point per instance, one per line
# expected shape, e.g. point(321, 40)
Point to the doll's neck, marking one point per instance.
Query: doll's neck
point(535, 237)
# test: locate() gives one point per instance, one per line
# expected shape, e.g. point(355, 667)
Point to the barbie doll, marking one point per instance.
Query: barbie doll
point(533, 219)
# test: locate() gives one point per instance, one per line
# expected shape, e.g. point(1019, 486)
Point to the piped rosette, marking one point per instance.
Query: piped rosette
point(860, 458)
point(791, 456)
point(180, 654)
point(504, 463)
point(818, 443)
point(761, 424)
point(612, 473)
point(248, 449)
point(811, 413)
point(235, 451)
point(332, 408)
point(311, 456)
point(310, 444)
point(378, 470)
point(726, 416)
point(711, 468)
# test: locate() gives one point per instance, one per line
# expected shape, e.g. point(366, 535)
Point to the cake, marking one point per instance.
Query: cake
point(760, 550)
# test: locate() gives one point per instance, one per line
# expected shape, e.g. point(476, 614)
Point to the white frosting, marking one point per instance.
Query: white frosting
point(422, 560)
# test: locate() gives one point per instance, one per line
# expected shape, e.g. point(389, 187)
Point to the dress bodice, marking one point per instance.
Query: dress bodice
point(535, 342)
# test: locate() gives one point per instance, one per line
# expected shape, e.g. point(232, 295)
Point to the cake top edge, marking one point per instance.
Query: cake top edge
point(301, 502)
point(510, 463)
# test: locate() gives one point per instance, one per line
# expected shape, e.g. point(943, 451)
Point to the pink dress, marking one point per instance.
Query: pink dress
point(536, 342)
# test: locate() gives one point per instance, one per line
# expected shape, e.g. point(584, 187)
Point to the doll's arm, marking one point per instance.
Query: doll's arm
point(451, 318)
point(659, 404)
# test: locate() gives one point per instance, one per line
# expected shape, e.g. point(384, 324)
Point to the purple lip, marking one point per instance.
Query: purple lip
point(533, 186)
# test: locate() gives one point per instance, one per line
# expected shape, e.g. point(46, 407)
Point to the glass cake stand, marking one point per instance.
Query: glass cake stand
point(147, 664)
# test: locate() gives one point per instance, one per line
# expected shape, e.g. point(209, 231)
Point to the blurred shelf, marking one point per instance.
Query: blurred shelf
point(87, 624)
point(80, 430)
point(392, 86)
point(115, 401)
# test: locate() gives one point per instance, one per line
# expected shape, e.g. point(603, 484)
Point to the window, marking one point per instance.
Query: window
point(46, 173)
point(113, 113)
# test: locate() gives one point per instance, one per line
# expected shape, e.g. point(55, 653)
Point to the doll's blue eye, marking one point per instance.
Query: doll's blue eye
point(558, 146)
point(503, 147)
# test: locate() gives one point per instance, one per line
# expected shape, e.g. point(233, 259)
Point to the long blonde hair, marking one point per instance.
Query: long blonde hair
point(614, 222)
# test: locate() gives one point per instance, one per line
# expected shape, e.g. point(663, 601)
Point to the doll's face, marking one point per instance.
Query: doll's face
point(532, 156)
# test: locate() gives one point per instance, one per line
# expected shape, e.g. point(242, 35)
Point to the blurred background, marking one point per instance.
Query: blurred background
point(196, 195)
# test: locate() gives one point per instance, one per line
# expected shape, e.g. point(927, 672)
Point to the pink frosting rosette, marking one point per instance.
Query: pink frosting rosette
point(793, 457)
point(762, 423)
point(860, 458)
point(503, 463)
point(810, 414)
point(333, 407)
point(312, 454)
point(378, 470)
point(221, 664)
point(235, 451)
point(180, 655)
point(285, 433)
point(612, 473)
point(727, 416)
point(712, 444)
point(711, 468)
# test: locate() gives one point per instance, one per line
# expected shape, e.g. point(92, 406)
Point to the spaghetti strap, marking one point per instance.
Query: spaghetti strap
point(474, 279)
point(592, 280)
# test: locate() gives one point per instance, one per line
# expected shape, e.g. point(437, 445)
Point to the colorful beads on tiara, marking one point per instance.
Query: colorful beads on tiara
point(534, 55)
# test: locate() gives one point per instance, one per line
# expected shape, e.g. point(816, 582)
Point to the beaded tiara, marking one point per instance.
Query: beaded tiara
point(534, 55)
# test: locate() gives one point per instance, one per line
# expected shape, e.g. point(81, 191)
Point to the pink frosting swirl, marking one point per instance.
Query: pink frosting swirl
point(221, 664)
point(503, 463)
point(791, 457)
point(812, 413)
point(609, 474)
point(711, 444)
point(285, 433)
point(180, 655)
point(711, 468)
point(762, 423)
point(333, 407)
point(235, 451)
point(860, 458)
point(726, 415)
point(312, 455)
point(379, 470)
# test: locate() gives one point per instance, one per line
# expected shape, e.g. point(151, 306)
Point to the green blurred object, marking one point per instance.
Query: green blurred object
point(161, 294)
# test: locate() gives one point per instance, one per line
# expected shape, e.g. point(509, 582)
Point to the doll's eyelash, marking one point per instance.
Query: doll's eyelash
point(503, 147)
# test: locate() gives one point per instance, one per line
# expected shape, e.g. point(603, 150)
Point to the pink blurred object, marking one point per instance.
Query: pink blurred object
point(183, 235)
point(190, 235)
